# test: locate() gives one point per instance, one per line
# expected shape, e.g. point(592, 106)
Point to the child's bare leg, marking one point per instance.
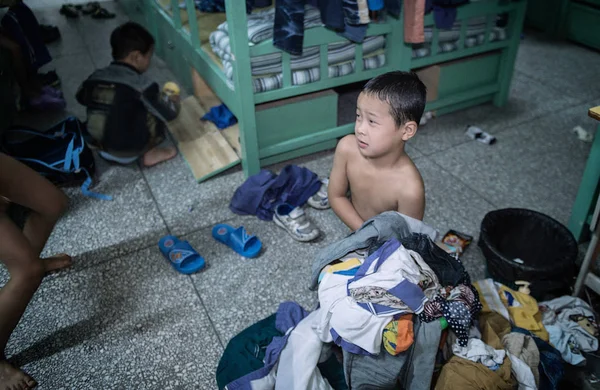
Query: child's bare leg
point(20, 251)
point(22, 185)
point(158, 154)
point(26, 273)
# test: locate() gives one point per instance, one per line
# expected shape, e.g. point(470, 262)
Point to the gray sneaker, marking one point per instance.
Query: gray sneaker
point(320, 200)
point(295, 222)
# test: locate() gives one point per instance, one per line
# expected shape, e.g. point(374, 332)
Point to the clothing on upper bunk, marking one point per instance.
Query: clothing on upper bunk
point(219, 5)
point(444, 14)
point(20, 24)
point(414, 12)
point(267, 69)
point(288, 30)
point(371, 235)
point(347, 17)
point(444, 11)
point(260, 194)
point(363, 12)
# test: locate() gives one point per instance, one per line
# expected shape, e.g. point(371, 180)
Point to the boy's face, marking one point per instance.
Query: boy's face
point(375, 129)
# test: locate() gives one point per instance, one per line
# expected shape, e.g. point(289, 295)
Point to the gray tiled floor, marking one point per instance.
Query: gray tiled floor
point(122, 318)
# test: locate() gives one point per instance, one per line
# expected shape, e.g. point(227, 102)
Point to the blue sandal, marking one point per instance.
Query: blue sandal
point(237, 239)
point(181, 255)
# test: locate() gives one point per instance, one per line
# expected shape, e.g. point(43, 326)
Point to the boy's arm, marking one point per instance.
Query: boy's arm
point(338, 187)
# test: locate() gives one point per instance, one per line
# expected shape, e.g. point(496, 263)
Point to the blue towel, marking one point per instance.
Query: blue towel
point(444, 11)
point(262, 193)
point(220, 116)
point(218, 5)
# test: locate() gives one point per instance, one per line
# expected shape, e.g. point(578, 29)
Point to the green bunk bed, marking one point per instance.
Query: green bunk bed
point(575, 20)
point(285, 106)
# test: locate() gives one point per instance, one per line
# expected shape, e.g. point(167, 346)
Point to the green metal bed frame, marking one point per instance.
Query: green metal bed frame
point(242, 101)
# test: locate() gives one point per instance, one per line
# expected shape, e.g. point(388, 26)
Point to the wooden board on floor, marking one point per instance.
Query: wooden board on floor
point(208, 99)
point(204, 148)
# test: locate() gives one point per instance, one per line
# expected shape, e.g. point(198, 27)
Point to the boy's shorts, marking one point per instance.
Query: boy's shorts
point(120, 160)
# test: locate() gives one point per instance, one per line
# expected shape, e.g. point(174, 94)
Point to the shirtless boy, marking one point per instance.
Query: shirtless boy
point(372, 163)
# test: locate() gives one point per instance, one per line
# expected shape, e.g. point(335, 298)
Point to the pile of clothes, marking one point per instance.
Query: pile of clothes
point(395, 311)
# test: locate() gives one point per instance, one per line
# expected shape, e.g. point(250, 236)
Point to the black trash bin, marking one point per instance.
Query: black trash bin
point(547, 249)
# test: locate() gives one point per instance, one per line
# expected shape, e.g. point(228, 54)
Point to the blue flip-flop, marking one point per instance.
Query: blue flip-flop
point(237, 239)
point(181, 255)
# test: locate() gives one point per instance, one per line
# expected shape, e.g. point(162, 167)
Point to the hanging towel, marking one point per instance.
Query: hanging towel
point(414, 25)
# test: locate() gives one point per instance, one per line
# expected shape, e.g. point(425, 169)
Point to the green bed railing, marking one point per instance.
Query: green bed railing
point(238, 93)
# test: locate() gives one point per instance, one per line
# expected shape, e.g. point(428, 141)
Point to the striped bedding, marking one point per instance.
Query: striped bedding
point(266, 69)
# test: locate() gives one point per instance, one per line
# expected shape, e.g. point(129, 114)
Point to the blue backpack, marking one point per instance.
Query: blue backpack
point(59, 154)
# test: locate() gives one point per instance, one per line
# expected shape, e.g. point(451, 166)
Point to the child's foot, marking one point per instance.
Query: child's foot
point(57, 262)
point(158, 155)
point(13, 378)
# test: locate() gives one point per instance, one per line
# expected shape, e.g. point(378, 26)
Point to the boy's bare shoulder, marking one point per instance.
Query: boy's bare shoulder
point(347, 145)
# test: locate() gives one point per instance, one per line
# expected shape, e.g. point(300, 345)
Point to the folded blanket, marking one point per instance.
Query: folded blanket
point(300, 77)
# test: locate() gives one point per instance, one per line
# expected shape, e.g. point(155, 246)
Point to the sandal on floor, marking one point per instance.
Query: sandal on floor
point(69, 10)
point(294, 221)
point(476, 133)
point(181, 255)
point(102, 13)
point(90, 8)
point(237, 239)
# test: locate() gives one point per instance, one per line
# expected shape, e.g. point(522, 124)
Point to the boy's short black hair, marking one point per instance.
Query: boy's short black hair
point(130, 37)
point(403, 91)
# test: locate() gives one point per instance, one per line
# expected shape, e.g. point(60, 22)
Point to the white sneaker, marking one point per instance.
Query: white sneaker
point(320, 200)
point(295, 222)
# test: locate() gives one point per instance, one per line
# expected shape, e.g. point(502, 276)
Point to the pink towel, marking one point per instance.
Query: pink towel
point(414, 14)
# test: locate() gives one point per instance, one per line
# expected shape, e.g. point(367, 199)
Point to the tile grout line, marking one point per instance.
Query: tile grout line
point(162, 217)
point(465, 184)
point(554, 89)
point(212, 324)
